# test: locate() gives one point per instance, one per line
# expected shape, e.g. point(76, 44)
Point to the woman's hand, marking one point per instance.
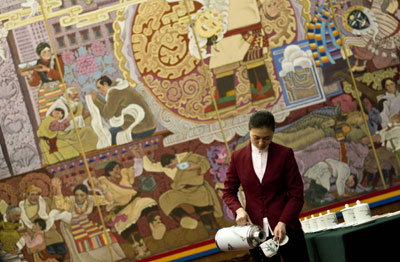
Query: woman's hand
point(242, 218)
point(42, 68)
point(280, 231)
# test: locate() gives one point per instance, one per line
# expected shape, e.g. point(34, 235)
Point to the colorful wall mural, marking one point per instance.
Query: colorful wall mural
point(117, 118)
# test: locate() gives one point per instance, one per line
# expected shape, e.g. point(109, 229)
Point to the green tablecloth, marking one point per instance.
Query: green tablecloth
point(367, 242)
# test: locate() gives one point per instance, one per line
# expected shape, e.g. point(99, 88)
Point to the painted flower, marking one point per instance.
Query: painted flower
point(86, 65)
point(98, 49)
point(68, 57)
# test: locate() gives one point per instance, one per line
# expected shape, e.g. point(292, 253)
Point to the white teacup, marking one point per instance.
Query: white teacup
point(362, 212)
point(305, 224)
point(270, 247)
point(321, 222)
point(330, 219)
point(348, 215)
point(313, 223)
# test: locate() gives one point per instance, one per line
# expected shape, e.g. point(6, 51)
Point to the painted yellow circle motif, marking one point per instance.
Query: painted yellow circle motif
point(161, 52)
point(208, 23)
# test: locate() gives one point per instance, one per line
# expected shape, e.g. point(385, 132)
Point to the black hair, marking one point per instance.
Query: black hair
point(381, 104)
point(82, 188)
point(383, 82)
point(110, 166)
point(104, 79)
point(60, 110)
point(166, 159)
point(41, 46)
point(41, 222)
point(262, 119)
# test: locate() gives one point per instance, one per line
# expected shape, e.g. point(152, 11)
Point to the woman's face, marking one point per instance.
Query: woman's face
point(45, 54)
point(80, 196)
point(58, 115)
point(390, 86)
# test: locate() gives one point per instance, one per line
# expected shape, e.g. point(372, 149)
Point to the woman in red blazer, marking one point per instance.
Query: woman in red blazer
point(273, 188)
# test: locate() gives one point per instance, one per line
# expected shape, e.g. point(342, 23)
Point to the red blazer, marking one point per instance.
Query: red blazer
point(280, 195)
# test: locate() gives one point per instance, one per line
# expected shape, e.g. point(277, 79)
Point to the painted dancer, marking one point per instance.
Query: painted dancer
point(85, 239)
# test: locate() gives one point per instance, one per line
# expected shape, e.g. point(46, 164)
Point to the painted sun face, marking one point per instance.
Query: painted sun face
point(358, 20)
point(208, 23)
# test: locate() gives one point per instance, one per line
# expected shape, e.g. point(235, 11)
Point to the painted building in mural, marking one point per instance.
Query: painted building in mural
point(104, 104)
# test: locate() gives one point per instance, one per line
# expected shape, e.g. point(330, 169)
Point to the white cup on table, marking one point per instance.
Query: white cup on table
point(321, 222)
point(313, 223)
point(348, 215)
point(305, 225)
point(330, 219)
point(362, 212)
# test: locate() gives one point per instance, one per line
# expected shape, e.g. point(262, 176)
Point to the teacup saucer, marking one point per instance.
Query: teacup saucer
point(284, 241)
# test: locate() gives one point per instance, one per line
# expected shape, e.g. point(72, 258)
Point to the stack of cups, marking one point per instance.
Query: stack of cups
point(330, 219)
point(305, 225)
point(348, 215)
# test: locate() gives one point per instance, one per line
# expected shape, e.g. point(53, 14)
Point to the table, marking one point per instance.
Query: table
point(374, 241)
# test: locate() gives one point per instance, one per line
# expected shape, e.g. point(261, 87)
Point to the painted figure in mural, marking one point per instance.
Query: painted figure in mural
point(81, 114)
point(3, 207)
point(85, 239)
point(36, 243)
point(234, 42)
point(58, 139)
point(189, 187)
point(389, 153)
point(227, 212)
point(129, 115)
point(245, 43)
point(272, 186)
point(210, 24)
point(9, 225)
point(333, 176)
point(378, 38)
point(35, 206)
point(390, 102)
point(46, 74)
point(127, 207)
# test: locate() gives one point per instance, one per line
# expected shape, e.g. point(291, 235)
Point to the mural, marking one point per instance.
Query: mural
point(117, 118)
